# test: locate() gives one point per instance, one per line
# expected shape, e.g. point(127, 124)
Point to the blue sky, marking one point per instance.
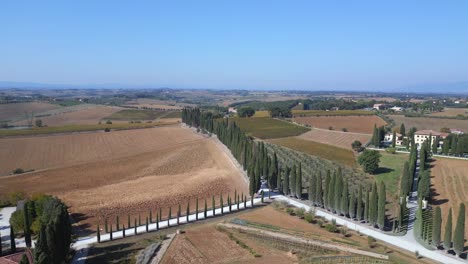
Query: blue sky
point(235, 44)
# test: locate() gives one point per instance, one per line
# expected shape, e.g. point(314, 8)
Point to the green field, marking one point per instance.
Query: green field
point(330, 113)
point(72, 128)
point(265, 127)
point(390, 170)
point(336, 154)
point(133, 114)
point(172, 114)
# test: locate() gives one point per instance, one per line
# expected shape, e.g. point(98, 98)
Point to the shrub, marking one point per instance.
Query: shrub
point(309, 217)
point(390, 150)
point(320, 222)
point(107, 129)
point(330, 128)
point(344, 129)
point(15, 197)
point(369, 160)
point(290, 211)
point(108, 122)
point(371, 241)
point(300, 212)
point(18, 171)
point(331, 227)
point(344, 231)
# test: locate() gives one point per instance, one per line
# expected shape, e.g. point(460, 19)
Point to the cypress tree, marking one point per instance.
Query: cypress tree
point(344, 201)
point(338, 193)
point(98, 232)
point(311, 189)
point(402, 129)
point(318, 190)
point(128, 221)
point(359, 204)
point(292, 181)
point(404, 189)
point(196, 209)
point(459, 235)
point(326, 190)
point(245, 201)
point(263, 195)
point(331, 193)
point(381, 206)
point(238, 200)
point(160, 214)
point(352, 206)
point(448, 232)
point(229, 201)
point(135, 226)
point(299, 182)
point(147, 224)
point(187, 212)
point(110, 232)
point(221, 203)
point(213, 205)
point(252, 184)
point(279, 180)
point(139, 219)
point(251, 201)
point(366, 207)
point(206, 209)
point(178, 214)
point(169, 217)
point(117, 223)
point(157, 221)
point(123, 230)
point(286, 181)
point(394, 139)
point(27, 225)
point(373, 205)
point(274, 171)
point(12, 240)
point(150, 217)
point(436, 226)
point(106, 226)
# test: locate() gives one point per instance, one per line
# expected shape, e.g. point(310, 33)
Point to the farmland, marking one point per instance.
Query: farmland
point(451, 112)
point(86, 116)
point(299, 113)
point(435, 124)
point(358, 124)
point(264, 127)
point(146, 103)
point(15, 111)
point(138, 170)
point(133, 115)
point(335, 138)
point(450, 186)
point(339, 155)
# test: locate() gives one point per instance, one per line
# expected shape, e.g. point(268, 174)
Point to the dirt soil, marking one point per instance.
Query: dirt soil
point(335, 138)
point(11, 111)
point(137, 171)
point(450, 188)
point(452, 112)
point(422, 123)
point(359, 124)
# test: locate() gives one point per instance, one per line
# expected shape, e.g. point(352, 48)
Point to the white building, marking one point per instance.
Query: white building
point(423, 135)
point(388, 139)
point(232, 110)
point(397, 108)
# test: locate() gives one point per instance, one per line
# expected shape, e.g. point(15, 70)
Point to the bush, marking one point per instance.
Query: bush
point(331, 227)
point(290, 211)
point(245, 111)
point(300, 212)
point(309, 217)
point(107, 129)
point(330, 128)
point(369, 160)
point(18, 171)
point(371, 241)
point(344, 129)
point(15, 197)
point(390, 150)
point(108, 122)
point(320, 222)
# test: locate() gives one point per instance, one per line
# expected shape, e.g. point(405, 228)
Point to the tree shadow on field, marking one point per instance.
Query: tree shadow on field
point(79, 227)
point(381, 170)
point(435, 201)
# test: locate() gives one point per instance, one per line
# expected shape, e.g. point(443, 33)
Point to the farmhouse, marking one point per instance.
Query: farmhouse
point(422, 135)
point(397, 108)
point(388, 139)
point(232, 110)
point(380, 106)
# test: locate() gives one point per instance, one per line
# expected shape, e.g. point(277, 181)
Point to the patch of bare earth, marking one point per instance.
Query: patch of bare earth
point(129, 175)
point(422, 123)
point(358, 124)
point(450, 187)
point(11, 111)
point(335, 138)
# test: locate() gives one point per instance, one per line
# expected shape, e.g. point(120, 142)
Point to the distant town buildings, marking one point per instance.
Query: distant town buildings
point(232, 110)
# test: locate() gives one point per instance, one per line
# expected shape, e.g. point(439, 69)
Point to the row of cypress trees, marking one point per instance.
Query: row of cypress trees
point(332, 192)
point(452, 238)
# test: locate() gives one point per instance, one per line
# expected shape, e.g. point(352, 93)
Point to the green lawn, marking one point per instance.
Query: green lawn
point(133, 114)
point(265, 127)
point(336, 154)
point(390, 170)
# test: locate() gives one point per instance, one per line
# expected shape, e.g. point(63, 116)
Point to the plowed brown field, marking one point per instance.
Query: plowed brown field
point(126, 172)
point(450, 187)
point(359, 124)
point(435, 124)
point(11, 111)
point(335, 138)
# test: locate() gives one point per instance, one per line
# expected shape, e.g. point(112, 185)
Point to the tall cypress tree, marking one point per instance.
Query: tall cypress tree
point(274, 171)
point(359, 204)
point(252, 184)
point(331, 193)
point(373, 205)
point(459, 235)
point(311, 188)
point(338, 193)
point(448, 232)
point(326, 189)
point(344, 201)
point(206, 210)
point(27, 225)
point(286, 181)
point(404, 180)
point(318, 190)
point(402, 129)
point(196, 209)
point(436, 226)
point(213, 207)
point(187, 211)
point(279, 181)
point(394, 139)
point(299, 182)
point(12, 240)
point(366, 207)
point(292, 181)
point(352, 206)
point(381, 206)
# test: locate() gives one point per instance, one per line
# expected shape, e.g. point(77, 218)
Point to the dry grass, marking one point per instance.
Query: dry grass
point(452, 112)
point(335, 138)
point(450, 187)
point(358, 124)
point(13, 111)
point(339, 155)
point(129, 172)
point(422, 123)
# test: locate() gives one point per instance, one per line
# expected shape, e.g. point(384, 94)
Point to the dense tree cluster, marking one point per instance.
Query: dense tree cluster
point(455, 145)
point(245, 111)
point(369, 160)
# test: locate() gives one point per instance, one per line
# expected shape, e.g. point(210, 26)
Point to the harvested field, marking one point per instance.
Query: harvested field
point(87, 116)
point(358, 124)
point(144, 103)
point(336, 154)
point(15, 111)
point(299, 113)
point(450, 187)
point(335, 138)
point(423, 123)
point(152, 167)
point(265, 127)
point(452, 112)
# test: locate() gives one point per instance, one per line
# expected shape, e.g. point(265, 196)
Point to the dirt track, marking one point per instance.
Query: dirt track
point(136, 171)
